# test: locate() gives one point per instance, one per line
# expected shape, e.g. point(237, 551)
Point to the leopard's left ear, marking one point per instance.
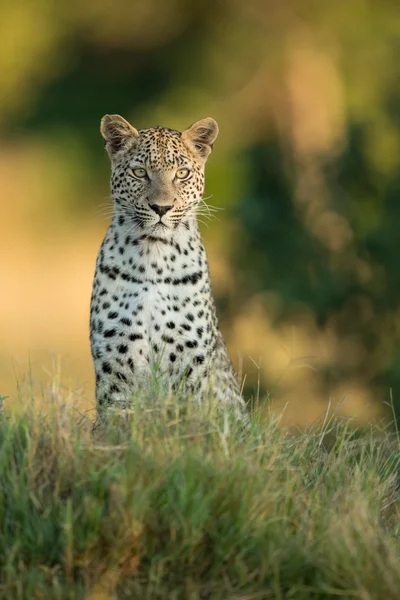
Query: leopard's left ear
point(200, 137)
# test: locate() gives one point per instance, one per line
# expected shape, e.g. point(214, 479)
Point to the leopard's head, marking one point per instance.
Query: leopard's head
point(157, 174)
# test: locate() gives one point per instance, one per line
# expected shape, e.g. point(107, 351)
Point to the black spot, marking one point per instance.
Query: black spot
point(122, 348)
point(112, 315)
point(135, 336)
point(112, 274)
point(125, 321)
point(121, 220)
point(150, 238)
point(171, 325)
point(172, 357)
point(199, 359)
point(179, 347)
point(194, 278)
point(191, 344)
point(186, 327)
point(200, 331)
point(167, 339)
point(190, 317)
point(109, 333)
point(106, 367)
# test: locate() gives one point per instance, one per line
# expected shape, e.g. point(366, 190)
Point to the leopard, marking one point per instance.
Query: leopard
point(152, 304)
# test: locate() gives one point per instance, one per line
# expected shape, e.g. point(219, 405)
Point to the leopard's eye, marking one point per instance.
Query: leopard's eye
point(182, 173)
point(139, 172)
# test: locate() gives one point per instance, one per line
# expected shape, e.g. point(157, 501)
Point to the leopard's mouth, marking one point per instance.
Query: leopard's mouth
point(160, 225)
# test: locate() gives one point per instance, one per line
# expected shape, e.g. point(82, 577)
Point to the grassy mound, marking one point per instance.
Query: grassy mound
point(175, 502)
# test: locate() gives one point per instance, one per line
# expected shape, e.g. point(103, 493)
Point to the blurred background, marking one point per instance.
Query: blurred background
point(305, 256)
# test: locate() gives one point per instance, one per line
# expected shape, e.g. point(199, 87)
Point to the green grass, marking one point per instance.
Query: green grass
point(176, 503)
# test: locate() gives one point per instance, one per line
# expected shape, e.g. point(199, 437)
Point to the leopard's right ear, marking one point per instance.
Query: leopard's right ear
point(119, 135)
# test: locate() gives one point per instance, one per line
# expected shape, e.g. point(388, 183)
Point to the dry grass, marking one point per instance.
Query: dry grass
point(175, 502)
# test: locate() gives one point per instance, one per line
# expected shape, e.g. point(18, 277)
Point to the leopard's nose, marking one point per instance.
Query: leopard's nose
point(160, 209)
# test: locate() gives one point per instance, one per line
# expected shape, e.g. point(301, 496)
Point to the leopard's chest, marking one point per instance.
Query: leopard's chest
point(154, 320)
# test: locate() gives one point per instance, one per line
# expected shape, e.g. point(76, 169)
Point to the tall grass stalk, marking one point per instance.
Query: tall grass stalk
point(174, 501)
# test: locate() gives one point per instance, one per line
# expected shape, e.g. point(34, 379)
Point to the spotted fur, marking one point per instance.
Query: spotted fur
point(151, 301)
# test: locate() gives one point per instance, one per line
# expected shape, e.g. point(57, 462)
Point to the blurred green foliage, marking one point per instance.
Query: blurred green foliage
point(307, 95)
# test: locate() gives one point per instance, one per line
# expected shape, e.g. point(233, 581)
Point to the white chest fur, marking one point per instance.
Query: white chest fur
point(152, 308)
